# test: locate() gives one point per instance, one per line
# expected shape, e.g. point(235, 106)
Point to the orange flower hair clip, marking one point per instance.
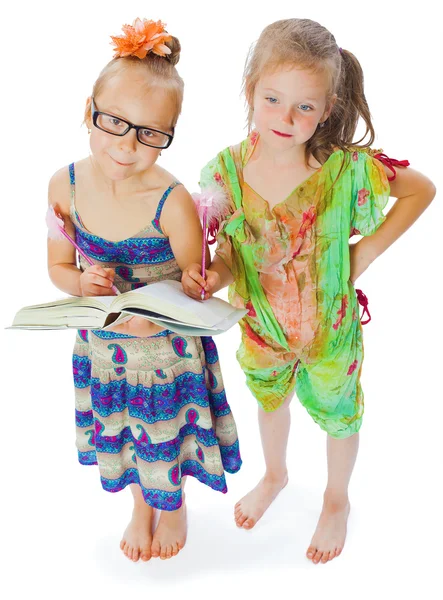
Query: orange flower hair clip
point(140, 38)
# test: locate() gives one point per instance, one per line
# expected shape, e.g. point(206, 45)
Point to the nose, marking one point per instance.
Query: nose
point(287, 116)
point(128, 142)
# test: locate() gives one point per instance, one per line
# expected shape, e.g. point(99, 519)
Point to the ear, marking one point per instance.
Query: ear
point(88, 114)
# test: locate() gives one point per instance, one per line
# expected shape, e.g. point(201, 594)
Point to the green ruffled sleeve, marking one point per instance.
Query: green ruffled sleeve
point(370, 194)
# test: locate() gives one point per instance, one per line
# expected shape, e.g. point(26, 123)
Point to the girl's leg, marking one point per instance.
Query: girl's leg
point(274, 431)
point(137, 539)
point(170, 534)
point(330, 535)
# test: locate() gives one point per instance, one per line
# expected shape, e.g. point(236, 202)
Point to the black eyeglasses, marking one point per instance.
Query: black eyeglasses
point(116, 126)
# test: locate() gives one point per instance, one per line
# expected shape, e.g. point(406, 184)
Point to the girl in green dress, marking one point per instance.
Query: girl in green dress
point(299, 187)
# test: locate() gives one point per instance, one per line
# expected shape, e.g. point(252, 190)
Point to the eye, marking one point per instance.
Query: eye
point(272, 100)
point(305, 107)
point(114, 121)
point(147, 133)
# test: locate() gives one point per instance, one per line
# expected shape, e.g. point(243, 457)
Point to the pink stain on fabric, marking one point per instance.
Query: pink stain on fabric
point(352, 367)
point(363, 196)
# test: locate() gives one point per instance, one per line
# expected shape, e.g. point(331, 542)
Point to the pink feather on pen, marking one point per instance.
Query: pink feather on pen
point(57, 231)
point(212, 205)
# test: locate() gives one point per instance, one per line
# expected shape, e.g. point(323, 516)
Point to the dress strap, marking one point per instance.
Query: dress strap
point(156, 220)
point(72, 182)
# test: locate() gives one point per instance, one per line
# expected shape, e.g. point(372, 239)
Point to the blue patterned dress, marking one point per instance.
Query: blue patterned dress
point(149, 410)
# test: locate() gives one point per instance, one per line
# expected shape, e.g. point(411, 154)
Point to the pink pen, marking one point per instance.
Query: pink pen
point(204, 217)
point(212, 206)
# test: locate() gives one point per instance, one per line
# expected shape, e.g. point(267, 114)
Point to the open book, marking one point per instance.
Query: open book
point(163, 303)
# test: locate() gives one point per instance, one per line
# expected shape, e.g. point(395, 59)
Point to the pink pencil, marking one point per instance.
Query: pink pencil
point(56, 226)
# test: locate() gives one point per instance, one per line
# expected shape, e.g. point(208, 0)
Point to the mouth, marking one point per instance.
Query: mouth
point(121, 163)
point(279, 133)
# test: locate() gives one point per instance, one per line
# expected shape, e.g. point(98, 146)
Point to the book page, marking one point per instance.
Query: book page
point(168, 298)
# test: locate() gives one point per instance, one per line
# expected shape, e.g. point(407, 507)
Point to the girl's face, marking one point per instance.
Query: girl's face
point(288, 105)
point(127, 96)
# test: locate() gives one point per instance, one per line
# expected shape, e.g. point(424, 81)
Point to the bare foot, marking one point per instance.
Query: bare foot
point(329, 537)
point(252, 506)
point(137, 539)
point(170, 535)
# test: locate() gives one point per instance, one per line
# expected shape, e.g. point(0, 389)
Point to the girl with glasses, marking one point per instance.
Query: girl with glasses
point(150, 404)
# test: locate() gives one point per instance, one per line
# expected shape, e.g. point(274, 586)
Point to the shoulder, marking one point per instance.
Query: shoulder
point(178, 202)
point(359, 160)
point(179, 196)
point(171, 186)
point(179, 211)
point(364, 156)
point(59, 187)
point(214, 167)
point(59, 190)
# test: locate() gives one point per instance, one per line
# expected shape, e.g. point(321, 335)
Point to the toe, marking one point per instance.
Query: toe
point(333, 554)
point(135, 554)
point(249, 523)
point(238, 515)
point(145, 553)
point(325, 557)
point(122, 544)
point(163, 552)
point(155, 548)
point(175, 550)
point(169, 552)
point(240, 520)
point(317, 557)
point(311, 552)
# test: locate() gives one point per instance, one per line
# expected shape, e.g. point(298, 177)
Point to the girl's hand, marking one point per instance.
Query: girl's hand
point(97, 281)
point(193, 282)
point(137, 326)
point(360, 260)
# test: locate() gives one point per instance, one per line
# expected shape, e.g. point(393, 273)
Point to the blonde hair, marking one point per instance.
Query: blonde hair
point(311, 46)
point(160, 71)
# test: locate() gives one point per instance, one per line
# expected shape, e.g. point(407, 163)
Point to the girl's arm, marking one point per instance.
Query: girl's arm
point(414, 192)
point(182, 226)
point(62, 266)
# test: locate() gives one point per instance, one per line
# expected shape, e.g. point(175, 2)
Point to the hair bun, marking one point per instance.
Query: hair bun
point(174, 45)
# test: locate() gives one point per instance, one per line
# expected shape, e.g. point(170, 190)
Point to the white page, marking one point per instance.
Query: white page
point(211, 311)
point(107, 300)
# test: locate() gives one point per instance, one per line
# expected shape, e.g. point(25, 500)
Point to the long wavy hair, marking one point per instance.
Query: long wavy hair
point(309, 45)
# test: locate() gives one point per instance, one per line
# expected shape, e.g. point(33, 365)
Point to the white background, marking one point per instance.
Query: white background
point(60, 530)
